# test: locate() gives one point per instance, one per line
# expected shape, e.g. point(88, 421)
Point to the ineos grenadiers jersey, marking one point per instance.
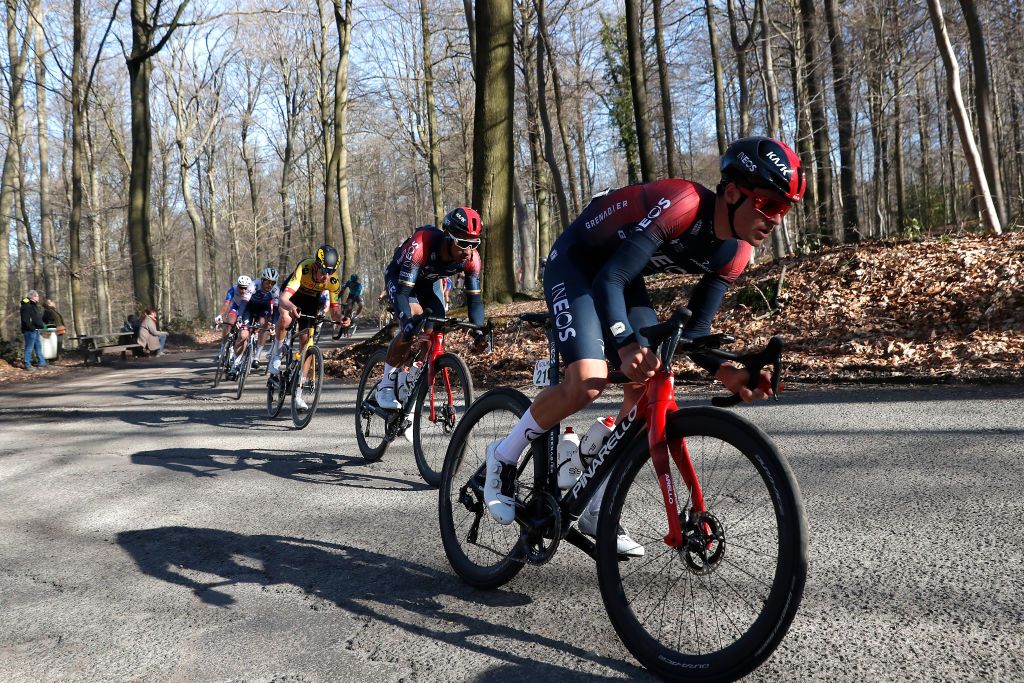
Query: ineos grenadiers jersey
point(419, 259)
point(238, 296)
point(666, 226)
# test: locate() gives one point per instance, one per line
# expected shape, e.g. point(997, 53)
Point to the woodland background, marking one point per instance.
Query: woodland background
point(154, 150)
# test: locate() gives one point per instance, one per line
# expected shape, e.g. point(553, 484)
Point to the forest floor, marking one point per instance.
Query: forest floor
point(949, 309)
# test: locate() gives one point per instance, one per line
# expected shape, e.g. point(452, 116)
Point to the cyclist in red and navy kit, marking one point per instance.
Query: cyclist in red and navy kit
point(595, 289)
point(413, 283)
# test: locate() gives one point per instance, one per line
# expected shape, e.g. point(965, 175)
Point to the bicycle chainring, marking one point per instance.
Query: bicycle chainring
point(543, 531)
point(703, 542)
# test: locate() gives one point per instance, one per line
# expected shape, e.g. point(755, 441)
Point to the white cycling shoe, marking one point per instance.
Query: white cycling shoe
point(500, 487)
point(275, 366)
point(386, 398)
point(300, 403)
point(625, 545)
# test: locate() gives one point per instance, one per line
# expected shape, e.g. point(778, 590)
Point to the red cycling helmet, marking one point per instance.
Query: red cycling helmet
point(463, 223)
point(760, 161)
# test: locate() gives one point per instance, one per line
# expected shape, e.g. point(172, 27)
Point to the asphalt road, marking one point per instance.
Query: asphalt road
point(152, 528)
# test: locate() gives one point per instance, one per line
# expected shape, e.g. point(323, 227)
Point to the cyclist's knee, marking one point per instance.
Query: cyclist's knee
point(581, 392)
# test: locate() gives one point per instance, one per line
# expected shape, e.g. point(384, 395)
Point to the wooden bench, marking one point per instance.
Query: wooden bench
point(96, 345)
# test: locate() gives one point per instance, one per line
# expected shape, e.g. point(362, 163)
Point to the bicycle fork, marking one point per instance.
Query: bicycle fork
point(658, 409)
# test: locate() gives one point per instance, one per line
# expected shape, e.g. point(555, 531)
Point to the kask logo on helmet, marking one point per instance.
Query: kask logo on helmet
point(777, 160)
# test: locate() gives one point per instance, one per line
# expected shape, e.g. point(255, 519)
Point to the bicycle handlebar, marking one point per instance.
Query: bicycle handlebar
point(753, 362)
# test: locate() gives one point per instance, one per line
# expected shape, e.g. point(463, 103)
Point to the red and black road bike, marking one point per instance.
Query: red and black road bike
point(435, 392)
point(724, 535)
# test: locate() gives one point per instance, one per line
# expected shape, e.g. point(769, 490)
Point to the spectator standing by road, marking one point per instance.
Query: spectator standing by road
point(53, 318)
point(31, 323)
point(150, 336)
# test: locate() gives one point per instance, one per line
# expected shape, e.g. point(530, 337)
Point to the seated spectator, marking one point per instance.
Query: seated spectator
point(150, 336)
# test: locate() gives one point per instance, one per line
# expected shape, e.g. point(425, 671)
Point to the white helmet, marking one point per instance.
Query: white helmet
point(244, 281)
point(269, 273)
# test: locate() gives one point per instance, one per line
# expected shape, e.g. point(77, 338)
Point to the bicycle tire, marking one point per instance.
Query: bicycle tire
point(221, 356)
point(310, 387)
point(371, 428)
point(430, 455)
point(243, 369)
point(491, 416)
point(277, 385)
point(744, 480)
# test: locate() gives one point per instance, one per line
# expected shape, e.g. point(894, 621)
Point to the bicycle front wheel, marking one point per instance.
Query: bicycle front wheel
point(715, 608)
point(221, 360)
point(371, 425)
point(308, 388)
point(481, 551)
point(438, 409)
point(243, 370)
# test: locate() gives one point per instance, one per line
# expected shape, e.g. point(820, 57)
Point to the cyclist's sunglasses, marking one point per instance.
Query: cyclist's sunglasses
point(465, 244)
point(766, 206)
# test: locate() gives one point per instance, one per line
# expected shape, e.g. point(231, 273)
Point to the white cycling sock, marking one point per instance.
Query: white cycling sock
point(275, 350)
point(389, 376)
point(513, 445)
point(259, 351)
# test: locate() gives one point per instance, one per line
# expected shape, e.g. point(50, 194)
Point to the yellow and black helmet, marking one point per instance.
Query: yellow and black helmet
point(326, 259)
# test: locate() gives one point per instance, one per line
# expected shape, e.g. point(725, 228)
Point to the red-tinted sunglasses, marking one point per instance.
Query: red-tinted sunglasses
point(766, 206)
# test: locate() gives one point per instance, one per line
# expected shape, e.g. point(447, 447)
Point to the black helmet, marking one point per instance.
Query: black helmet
point(354, 277)
point(326, 259)
point(759, 161)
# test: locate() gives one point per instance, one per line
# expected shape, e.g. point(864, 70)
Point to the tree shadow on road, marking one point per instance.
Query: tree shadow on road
point(403, 594)
point(320, 468)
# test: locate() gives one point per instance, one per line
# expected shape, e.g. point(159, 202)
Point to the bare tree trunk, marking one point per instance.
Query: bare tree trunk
point(343, 24)
point(493, 161)
point(771, 83)
point(77, 140)
point(99, 249)
point(898, 156)
point(819, 120)
point(528, 49)
point(989, 216)
point(542, 108)
point(49, 250)
point(139, 68)
point(740, 48)
point(638, 85)
point(844, 118)
point(716, 65)
point(527, 241)
point(556, 82)
point(433, 151)
point(987, 138)
point(666, 94)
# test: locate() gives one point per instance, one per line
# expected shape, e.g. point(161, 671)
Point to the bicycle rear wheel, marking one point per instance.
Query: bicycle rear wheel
point(371, 426)
point(715, 608)
point(243, 369)
point(481, 551)
point(309, 387)
point(453, 394)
